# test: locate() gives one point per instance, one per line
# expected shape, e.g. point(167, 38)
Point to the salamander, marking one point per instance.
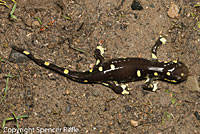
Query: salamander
point(115, 73)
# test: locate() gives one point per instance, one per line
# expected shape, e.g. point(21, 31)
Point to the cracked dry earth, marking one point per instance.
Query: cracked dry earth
point(74, 30)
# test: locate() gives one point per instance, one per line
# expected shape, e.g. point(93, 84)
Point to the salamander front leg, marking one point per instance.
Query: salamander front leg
point(117, 88)
point(154, 49)
point(150, 85)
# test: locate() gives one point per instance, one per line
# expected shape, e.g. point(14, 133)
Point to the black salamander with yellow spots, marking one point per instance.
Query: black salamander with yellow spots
point(115, 73)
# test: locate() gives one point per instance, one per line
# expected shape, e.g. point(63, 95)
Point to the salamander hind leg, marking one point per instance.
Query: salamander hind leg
point(117, 88)
point(154, 49)
point(98, 54)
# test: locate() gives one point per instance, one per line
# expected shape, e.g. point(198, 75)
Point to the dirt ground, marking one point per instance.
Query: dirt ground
point(53, 101)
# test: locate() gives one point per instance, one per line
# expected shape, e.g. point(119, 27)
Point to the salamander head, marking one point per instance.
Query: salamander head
point(175, 72)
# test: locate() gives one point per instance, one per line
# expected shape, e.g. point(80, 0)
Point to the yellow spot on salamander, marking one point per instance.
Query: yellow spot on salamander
point(155, 74)
point(26, 52)
point(116, 83)
point(46, 63)
point(123, 87)
point(106, 84)
point(124, 92)
point(168, 73)
point(163, 40)
point(154, 56)
point(100, 68)
point(147, 79)
point(101, 49)
point(90, 70)
point(155, 86)
point(174, 81)
point(175, 61)
point(85, 81)
point(182, 74)
point(112, 67)
point(66, 71)
point(165, 61)
point(97, 62)
point(138, 73)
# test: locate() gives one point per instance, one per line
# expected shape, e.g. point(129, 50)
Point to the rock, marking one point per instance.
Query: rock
point(173, 11)
point(95, 93)
point(35, 24)
point(192, 83)
point(108, 23)
point(67, 92)
point(68, 109)
point(134, 123)
point(28, 21)
point(17, 57)
point(197, 115)
point(123, 27)
point(152, 6)
point(136, 5)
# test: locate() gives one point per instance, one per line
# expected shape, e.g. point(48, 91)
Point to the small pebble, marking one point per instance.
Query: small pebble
point(120, 116)
point(17, 57)
point(123, 27)
point(49, 110)
point(35, 24)
point(73, 113)
point(173, 11)
point(69, 123)
point(136, 5)
point(95, 93)
point(134, 123)
point(68, 109)
point(35, 75)
point(67, 92)
point(28, 21)
point(152, 6)
point(110, 123)
point(51, 76)
point(108, 23)
point(197, 115)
